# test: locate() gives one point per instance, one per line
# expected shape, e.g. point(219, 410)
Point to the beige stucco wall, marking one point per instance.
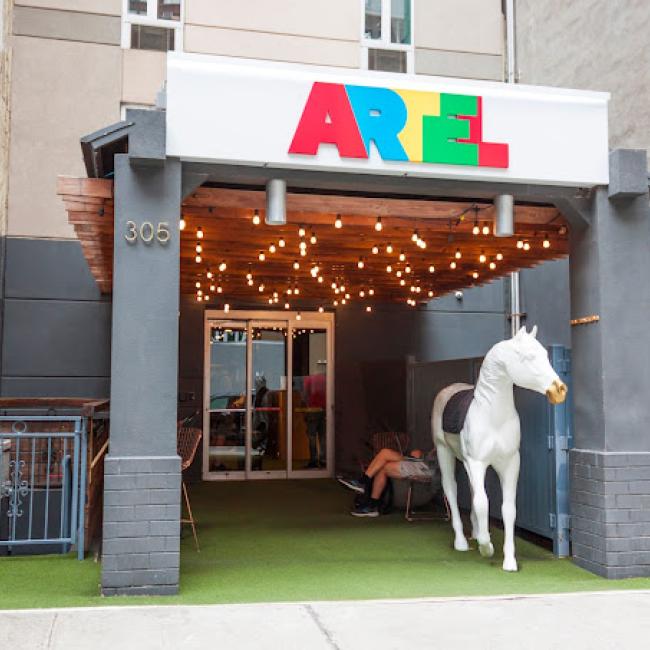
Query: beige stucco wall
point(301, 31)
point(60, 91)
point(108, 7)
point(143, 75)
point(595, 45)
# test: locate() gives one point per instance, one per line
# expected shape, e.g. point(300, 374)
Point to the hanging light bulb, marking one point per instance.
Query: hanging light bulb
point(333, 285)
point(313, 239)
point(452, 265)
point(198, 285)
point(378, 226)
point(197, 259)
point(272, 248)
point(298, 316)
point(301, 231)
point(256, 218)
point(412, 289)
point(546, 243)
point(335, 303)
point(407, 268)
point(321, 309)
point(371, 292)
point(182, 223)
point(261, 257)
point(281, 242)
point(475, 275)
point(389, 269)
point(492, 266)
point(261, 288)
point(526, 245)
point(476, 229)
point(219, 289)
point(362, 293)
point(320, 279)
point(275, 294)
point(402, 282)
point(209, 274)
point(482, 258)
point(415, 236)
point(458, 254)
point(249, 275)
point(343, 301)
point(199, 233)
point(302, 245)
point(223, 266)
point(338, 223)
point(422, 244)
point(486, 229)
point(499, 256)
point(314, 271)
point(270, 301)
point(398, 274)
point(402, 256)
point(289, 291)
point(520, 243)
point(296, 265)
point(360, 263)
point(389, 248)
point(286, 305)
point(430, 294)
point(368, 308)
point(226, 308)
point(296, 291)
point(342, 288)
point(375, 249)
point(337, 291)
point(432, 269)
point(303, 252)
point(250, 282)
point(199, 248)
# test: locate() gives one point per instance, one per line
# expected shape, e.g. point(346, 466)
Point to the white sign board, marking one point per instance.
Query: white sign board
point(243, 112)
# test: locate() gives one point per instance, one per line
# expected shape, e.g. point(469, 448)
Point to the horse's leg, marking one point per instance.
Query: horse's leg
point(508, 472)
point(476, 473)
point(447, 462)
point(472, 514)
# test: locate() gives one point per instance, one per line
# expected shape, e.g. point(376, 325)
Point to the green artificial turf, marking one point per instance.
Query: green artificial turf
point(294, 540)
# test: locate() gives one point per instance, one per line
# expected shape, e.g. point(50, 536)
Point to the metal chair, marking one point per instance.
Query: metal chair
point(187, 443)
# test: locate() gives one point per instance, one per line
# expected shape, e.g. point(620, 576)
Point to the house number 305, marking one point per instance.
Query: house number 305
point(147, 232)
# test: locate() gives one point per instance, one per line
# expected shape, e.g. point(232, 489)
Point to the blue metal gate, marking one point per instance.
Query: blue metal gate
point(546, 437)
point(42, 482)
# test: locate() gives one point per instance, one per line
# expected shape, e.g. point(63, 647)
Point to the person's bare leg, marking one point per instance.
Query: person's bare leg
point(390, 470)
point(380, 460)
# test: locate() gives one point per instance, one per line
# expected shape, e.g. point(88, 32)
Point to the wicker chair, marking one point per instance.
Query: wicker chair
point(187, 444)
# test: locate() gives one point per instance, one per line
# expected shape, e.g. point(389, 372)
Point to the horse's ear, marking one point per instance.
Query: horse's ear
point(533, 332)
point(520, 332)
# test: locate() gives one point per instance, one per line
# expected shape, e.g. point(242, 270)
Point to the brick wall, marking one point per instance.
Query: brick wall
point(141, 548)
point(610, 512)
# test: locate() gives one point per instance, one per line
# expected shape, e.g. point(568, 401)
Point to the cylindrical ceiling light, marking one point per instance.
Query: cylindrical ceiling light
point(276, 202)
point(504, 215)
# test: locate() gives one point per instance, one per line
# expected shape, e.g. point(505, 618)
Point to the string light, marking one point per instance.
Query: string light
point(261, 288)
point(198, 285)
point(226, 308)
point(272, 248)
point(197, 259)
point(486, 229)
point(458, 254)
point(333, 285)
point(482, 258)
point(415, 237)
point(362, 293)
point(344, 301)
point(302, 245)
point(261, 257)
point(407, 268)
point(313, 239)
point(476, 229)
point(335, 303)
point(342, 288)
point(402, 256)
point(289, 291)
point(199, 233)
point(421, 243)
point(475, 275)
point(430, 294)
point(520, 243)
point(389, 269)
point(375, 249)
point(182, 223)
point(452, 265)
point(212, 288)
point(296, 290)
point(398, 274)
point(526, 245)
point(249, 275)
point(499, 257)
point(219, 289)
point(320, 279)
point(360, 263)
point(223, 266)
point(286, 305)
point(389, 248)
point(368, 308)
point(402, 282)
point(270, 301)
point(378, 226)
point(301, 231)
point(298, 316)
point(432, 269)
point(199, 248)
point(321, 309)
point(250, 282)
point(546, 243)
point(492, 266)
point(296, 265)
point(314, 271)
point(209, 274)
point(371, 292)
point(338, 223)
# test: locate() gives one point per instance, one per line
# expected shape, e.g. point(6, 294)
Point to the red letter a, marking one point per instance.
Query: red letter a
point(328, 100)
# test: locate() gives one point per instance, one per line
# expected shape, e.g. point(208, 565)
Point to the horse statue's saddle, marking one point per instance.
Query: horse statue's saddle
point(455, 412)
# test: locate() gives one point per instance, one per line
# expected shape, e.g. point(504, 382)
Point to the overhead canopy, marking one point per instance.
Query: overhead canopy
point(343, 256)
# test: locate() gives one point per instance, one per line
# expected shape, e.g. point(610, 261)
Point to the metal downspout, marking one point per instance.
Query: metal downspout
point(515, 303)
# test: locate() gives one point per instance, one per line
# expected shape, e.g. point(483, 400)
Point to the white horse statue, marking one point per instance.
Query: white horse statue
point(491, 435)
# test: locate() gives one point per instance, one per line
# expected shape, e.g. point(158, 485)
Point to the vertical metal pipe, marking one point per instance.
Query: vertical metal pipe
point(511, 64)
point(504, 215)
point(276, 202)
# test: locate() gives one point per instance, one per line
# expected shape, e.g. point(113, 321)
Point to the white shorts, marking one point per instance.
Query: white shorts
point(414, 469)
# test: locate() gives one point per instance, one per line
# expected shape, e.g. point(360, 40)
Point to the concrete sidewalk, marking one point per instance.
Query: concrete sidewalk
point(589, 621)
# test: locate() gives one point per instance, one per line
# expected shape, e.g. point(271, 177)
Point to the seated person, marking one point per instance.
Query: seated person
point(388, 463)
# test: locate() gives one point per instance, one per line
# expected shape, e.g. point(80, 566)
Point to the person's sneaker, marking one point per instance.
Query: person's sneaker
point(365, 510)
point(352, 484)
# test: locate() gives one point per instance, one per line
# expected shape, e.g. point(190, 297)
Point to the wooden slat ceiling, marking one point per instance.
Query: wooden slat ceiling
point(225, 216)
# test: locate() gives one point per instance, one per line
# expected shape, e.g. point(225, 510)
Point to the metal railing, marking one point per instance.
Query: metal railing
point(43, 481)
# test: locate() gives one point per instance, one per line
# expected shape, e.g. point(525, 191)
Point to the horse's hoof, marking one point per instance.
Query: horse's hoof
point(510, 564)
point(486, 550)
point(461, 544)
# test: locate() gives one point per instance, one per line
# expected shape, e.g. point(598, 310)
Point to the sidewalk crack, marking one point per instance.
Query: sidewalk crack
point(49, 636)
point(326, 633)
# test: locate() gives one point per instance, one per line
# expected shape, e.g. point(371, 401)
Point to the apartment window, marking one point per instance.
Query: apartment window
point(386, 39)
point(152, 24)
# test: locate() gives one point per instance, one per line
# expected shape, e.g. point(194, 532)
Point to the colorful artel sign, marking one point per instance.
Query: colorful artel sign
point(284, 116)
point(404, 125)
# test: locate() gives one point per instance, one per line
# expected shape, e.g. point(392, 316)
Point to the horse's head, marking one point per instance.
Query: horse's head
point(528, 366)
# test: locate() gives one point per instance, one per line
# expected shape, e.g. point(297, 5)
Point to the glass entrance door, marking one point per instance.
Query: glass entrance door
point(267, 396)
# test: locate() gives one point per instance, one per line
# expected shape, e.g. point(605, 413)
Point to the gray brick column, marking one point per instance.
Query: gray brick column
point(141, 540)
point(610, 464)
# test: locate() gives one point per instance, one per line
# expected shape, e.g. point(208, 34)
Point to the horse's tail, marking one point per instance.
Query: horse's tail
point(439, 403)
